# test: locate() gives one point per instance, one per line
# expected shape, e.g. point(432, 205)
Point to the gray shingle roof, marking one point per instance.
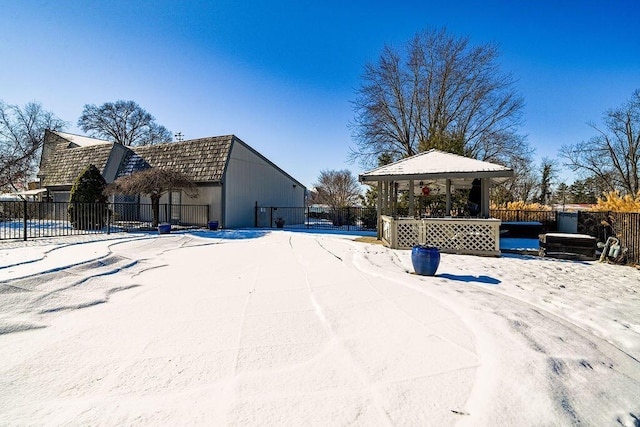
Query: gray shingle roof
point(65, 164)
point(203, 160)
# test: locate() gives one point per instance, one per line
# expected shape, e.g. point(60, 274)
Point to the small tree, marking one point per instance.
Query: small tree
point(547, 176)
point(561, 195)
point(338, 189)
point(153, 183)
point(87, 204)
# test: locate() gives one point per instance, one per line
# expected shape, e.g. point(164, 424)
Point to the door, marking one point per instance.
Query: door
point(176, 206)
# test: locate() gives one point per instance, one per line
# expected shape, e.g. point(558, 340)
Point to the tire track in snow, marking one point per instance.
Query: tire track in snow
point(560, 370)
point(376, 398)
point(367, 274)
point(244, 321)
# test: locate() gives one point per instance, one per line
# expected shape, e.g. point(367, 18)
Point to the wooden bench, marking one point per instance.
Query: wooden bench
point(567, 246)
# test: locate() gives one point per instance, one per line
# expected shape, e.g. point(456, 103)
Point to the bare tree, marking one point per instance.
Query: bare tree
point(153, 183)
point(338, 189)
point(21, 138)
point(438, 91)
point(613, 155)
point(548, 173)
point(124, 122)
point(520, 187)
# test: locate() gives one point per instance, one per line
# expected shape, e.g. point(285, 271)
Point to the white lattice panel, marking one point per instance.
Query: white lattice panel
point(408, 234)
point(462, 236)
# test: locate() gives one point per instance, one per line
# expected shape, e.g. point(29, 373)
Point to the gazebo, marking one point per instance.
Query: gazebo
point(437, 171)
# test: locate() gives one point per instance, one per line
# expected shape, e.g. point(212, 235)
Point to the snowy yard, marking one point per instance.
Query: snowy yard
point(291, 328)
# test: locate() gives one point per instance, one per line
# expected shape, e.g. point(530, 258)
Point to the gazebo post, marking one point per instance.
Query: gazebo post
point(384, 198)
point(379, 209)
point(448, 211)
point(394, 200)
point(412, 209)
point(484, 186)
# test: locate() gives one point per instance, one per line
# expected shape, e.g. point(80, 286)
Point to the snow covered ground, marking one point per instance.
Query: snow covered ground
point(288, 328)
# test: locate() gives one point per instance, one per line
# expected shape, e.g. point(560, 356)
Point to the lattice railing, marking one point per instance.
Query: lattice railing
point(409, 234)
point(461, 236)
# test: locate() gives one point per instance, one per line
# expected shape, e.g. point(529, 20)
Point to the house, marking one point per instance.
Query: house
point(231, 176)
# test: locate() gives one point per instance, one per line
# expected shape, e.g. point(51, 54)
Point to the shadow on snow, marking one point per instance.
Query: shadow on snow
point(229, 234)
point(468, 278)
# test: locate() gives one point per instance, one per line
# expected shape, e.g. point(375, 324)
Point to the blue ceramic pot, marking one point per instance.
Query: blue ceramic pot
point(425, 260)
point(213, 225)
point(164, 228)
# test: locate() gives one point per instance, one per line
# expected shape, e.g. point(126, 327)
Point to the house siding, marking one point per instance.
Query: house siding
point(208, 195)
point(251, 179)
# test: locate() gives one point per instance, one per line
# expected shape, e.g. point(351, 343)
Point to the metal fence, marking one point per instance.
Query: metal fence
point(28, 219)
point(601, 225)
point(347, 219)
point(548, 219)
point(624, 225)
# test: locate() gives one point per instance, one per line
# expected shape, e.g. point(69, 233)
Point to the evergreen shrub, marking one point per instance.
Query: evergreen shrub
point(88, 208)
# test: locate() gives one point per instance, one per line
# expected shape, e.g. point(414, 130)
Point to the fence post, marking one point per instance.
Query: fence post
point(24, 220)
point(270, 217)
point(308, 215)
point(108, 220)
point(255, 215)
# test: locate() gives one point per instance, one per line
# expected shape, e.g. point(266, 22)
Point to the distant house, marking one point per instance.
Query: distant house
point(231, 176)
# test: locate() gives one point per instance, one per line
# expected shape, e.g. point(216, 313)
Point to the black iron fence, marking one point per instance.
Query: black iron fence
point(29, 219)
point(347, 219)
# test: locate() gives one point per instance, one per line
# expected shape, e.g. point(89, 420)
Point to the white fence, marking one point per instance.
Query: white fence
point(460, 236)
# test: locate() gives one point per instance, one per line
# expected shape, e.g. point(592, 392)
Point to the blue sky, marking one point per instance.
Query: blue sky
point(281, 75)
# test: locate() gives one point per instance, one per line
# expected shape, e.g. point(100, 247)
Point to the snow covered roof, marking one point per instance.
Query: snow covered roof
point(437, 165)
point(79, 140)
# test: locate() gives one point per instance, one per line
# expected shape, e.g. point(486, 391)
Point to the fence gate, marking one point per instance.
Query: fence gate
point(263, 217)
point(324, 218)
point(175, 207)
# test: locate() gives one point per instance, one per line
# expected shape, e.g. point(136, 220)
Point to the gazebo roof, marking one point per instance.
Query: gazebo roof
point(436, 165)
